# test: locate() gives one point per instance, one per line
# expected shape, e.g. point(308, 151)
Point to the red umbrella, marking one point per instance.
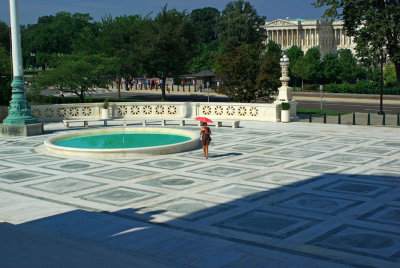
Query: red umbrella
point(204, 119)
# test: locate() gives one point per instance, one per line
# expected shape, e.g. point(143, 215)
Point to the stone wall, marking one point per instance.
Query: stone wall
point(160, 110)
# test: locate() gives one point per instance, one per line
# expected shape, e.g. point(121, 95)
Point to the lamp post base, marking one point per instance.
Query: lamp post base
point(21, 130)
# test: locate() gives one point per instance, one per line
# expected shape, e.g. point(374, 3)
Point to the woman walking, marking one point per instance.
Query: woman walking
point(205, 134)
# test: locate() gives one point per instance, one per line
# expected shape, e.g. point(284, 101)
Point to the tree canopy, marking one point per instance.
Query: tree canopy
point(124, 38)
point(5, 35)
point(78, 74)
point(374, 25)
point(247, 75)
point(5, 76)
point(171, 43)
point(205, 21)
point(64, 29)
point(240, 24)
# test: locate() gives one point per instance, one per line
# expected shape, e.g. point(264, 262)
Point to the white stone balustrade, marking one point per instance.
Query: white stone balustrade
point(160, 110)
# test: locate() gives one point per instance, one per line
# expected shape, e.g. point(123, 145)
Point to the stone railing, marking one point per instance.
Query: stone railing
point(160, 110)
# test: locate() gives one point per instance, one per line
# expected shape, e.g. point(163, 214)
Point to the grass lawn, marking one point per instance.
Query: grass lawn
point(320, 112)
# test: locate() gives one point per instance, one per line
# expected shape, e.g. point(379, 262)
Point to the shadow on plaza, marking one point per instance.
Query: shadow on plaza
point(276, 213)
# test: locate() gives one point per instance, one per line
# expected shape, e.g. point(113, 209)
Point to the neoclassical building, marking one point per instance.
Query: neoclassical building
point(326, 35)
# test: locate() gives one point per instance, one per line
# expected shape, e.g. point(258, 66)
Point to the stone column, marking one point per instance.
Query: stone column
point(305, 38)
point(291, 37)
point(287, 37)
point(343, 37)
point(312, 37)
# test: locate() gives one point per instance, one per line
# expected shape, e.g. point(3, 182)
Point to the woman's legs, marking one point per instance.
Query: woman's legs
point(206, 151)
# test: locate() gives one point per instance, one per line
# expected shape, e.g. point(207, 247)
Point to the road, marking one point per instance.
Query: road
point(344, 104)
point(350, 106)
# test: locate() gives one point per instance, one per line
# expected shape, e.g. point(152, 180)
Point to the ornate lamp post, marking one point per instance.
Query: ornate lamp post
point(381, 60)
point(19, 121)
point(285, 92)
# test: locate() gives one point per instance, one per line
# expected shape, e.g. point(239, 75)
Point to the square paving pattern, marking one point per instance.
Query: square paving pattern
point(270, 195)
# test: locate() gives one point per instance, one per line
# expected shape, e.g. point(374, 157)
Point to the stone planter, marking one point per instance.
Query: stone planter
point(105, 114)
point(285, 116)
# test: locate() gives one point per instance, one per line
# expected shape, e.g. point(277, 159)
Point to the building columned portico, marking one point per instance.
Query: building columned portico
point(327, 36)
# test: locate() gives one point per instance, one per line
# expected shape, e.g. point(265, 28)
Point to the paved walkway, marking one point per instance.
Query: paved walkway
point(270, 195)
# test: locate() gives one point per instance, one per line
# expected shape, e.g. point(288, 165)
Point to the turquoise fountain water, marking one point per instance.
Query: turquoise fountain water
point(121, 140)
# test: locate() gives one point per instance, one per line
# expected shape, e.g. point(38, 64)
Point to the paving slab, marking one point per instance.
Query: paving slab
point(270, 195)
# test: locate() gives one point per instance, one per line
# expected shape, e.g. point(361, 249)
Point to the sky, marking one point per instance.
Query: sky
point(31, 10)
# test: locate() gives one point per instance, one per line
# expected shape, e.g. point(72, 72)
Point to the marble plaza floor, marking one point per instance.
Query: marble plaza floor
point(270, 195)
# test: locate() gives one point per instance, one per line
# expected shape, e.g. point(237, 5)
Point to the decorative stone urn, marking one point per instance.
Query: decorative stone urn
point(105, 114)
point(285, 112)
point(104, 111)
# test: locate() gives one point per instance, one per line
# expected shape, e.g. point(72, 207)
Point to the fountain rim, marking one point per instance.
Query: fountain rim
point(191, 144)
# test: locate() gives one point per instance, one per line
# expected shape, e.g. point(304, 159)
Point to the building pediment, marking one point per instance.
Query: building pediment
point(280, 22)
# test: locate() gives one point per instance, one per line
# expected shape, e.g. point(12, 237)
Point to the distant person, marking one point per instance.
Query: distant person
point(61, 99)
point(205, 134)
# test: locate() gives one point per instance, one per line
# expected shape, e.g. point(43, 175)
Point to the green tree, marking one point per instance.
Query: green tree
point(204, 21)
point(247, 73)
point(240, 24)
point(124, 38)
point(53, 34)
point(347, 65)
point(268, 76)
point(78, 74)
point(5, 35)
point(239, 68)
point(298, 69)
point(204, 58)
point(389, 76)
point(312, 65)
point(374, 25)
point(294, 54)
point(171, 44)
point(273, 48)
point(330, 67)
point(5, 76)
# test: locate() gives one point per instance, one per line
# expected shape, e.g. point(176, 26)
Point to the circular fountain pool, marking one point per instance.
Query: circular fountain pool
point(123, 142)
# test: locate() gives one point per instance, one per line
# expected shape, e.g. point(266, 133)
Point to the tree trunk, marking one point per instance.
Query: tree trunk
point(82, 95)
